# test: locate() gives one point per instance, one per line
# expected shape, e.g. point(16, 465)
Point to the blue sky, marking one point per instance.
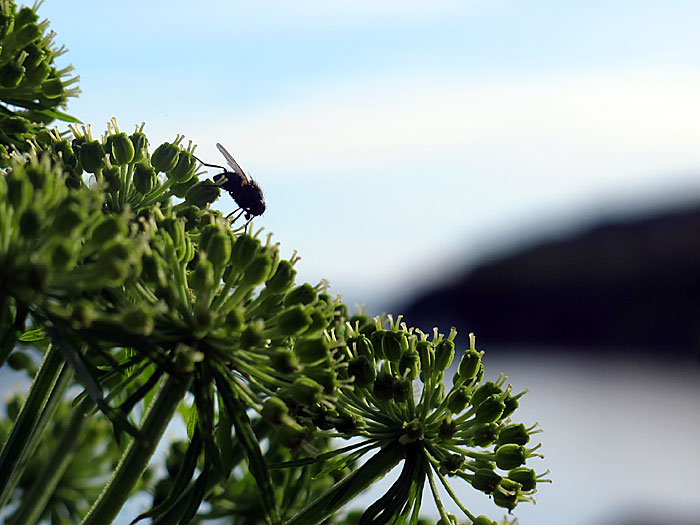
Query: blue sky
point(397, 141)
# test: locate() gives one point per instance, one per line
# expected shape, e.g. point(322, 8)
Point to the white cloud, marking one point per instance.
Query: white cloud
point(617, 125)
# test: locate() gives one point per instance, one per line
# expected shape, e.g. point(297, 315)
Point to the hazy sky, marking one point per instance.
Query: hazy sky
point(398, 140)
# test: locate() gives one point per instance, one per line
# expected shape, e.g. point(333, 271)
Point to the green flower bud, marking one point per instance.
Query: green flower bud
point(515, 433)
point(451, 464)
point(65, 151)
point(292, 321)
point(36, 75)
point(444, 354)
point(469, 365)
point(184, 168)
point(92, 156)
point(252, 335)
point(426, 354)
point(202, 278)
point(284, 360)
point(24, 16)
point(384, 386)
point(62, 256)
point(122, 149)
point(35, 55)
point(487, 389)
point(113, 264)
point(448, 428)
point(145, 178)
point(138, 320)
point(393, 345)
point(490, 410)
point(305, 391)
point(244, 250)
point(187, 357)
point(11, 75)
point(510, 456)
point(218, 248)
point(485, 480)
point(326, 377)
point(202, 194)
point(483, 520)
point(303, 294)
point(484, 434)
point(274, 410)
point(457, 400)
point(377, 338)
point(402, 389)
point(165, 157)
point(511, 405)
point(234, 319)
point(319, 322)
point(322, 419)
point(139, 142)
point(437, 395)
point(107, 229)
point(409, 364)
point(347, 424)
point(258, 270)
point(362, 347)
point(180, 190)
point(506, 494)
point(283, 279)
point(53, 88)
point(24, 35)
point(113, 178)
point(312, 350)
point(412, 431)
point(362, 370)
point(525, 476)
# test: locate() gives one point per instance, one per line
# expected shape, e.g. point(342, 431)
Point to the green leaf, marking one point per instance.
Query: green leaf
point(349, 487)
point(33, 335)
point(191, 422)
point(323, 457)
point(246, 436)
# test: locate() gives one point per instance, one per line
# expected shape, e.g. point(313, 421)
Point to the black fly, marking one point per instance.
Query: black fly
point(243, 189)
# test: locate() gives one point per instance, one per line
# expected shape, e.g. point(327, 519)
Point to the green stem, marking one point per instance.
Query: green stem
point(350, 487)
point(34, 502)
point(138, 454)
point(49, 384)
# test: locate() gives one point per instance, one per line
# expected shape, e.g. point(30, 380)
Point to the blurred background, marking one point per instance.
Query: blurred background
point(528, 171)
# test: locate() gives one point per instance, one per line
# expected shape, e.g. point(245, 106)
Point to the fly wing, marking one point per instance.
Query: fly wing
point(231, 162)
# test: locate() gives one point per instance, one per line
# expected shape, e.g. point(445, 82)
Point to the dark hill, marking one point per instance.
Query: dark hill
point(631, 284)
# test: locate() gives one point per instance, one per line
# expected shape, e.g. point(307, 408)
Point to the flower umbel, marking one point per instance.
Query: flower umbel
point(399, 404)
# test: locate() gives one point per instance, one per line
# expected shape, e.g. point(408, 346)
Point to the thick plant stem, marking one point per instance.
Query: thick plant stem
point(349, 487)
point(48, 387)
point(34, 502)
point(138, 454)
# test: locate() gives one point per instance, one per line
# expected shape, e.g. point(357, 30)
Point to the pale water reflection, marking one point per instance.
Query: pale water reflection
point(621, 438)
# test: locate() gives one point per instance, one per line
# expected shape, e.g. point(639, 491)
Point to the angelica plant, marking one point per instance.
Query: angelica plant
point(130, 301)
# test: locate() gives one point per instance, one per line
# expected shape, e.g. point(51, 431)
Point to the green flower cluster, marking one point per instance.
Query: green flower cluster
point(141, 301)
point(465, 432)
point(32, 89)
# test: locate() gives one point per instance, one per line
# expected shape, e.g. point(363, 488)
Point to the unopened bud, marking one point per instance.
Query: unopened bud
point(165, 157)
point(312, 350)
